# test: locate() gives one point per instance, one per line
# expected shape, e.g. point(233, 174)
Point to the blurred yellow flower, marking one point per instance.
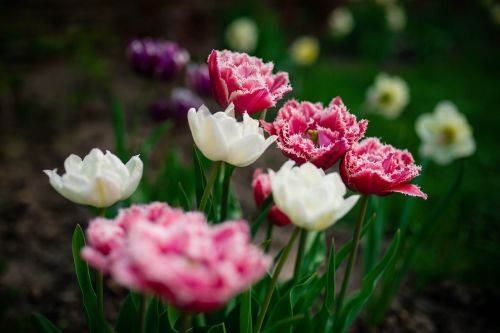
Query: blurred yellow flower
point(445, 134)
point(341, 22)
point(388, 96)
point(305, 50)
point(242, 35)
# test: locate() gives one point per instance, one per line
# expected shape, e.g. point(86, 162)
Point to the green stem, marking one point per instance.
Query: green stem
point(354, 251)
point(209, 185)
point(274, 279)
point(185, 322)
point(300, 254)
point(142, 313)
point(263, 115)
point(225, 190)
point(269, 236)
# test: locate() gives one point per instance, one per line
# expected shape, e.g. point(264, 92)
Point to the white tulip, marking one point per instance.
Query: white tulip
point(242, 35)
point(388, 96)
point(445, 134)
point(220, 137)
point(341, 22)
point(311, 199)
point(100, 180)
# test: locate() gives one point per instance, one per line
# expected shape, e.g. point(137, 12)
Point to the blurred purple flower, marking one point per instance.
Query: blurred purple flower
point(176, 108)
point(156, 58)
point(198, 79)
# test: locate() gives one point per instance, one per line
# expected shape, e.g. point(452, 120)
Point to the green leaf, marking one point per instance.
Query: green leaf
point(330, 280)
point(280, 311)
point(164, 324)
point(128, 317)
point(43, 325)
point(246, 312)
point(346, 248)
point(173, 316)
point(220, 328)
point(299, 290)
point(200, 179)
point(185, 202)
point(315, 255)
point(266, 206)
point(354, 305)
point(284, 324)
point(152, 317)
point(119, 128)
point(375, 234)
point(95, 321)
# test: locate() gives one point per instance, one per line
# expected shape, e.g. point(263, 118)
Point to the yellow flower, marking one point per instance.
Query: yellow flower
point(242, 35)
point(388, 96)
point(305, 50)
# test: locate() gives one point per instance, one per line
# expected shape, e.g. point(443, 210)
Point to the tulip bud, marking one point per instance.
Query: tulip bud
point(99, 180)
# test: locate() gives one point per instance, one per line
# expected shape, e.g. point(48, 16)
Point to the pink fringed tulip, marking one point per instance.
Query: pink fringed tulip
point(309, 132)
point(245, 81)
point(374, 168)
point(261, 190)
point(175, 255)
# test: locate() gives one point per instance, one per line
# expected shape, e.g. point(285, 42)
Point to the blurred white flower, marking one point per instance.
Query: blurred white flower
point(100, 180)
point(445, 134)
point(304, 50)
point(220, 137)
point(311, 199)
point(396, 17)
point(388, 96)
point(242, 35)
point(341, 22)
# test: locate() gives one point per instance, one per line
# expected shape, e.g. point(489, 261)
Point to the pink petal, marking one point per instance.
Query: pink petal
point(409, 189)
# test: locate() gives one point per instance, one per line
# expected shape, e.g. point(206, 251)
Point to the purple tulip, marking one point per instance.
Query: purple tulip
point(198, 79)
point(176, 108)
point(156, 58)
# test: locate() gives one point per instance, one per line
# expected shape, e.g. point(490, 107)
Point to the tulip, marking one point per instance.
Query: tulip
point(310, 198)
point(245, 81)
point(374, 168)
point(220, 137)
point(99, 180)
point(445, 134)
point(176, 256)
point(261, 185)
point(309, 132)
point(242, 35)
point(198, 79)
point(157, 58)
point(388, 96)
point(304, 50)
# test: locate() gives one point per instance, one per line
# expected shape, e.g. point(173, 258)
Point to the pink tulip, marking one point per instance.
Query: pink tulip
point(245, 81)
point(261, 190)
point(175, 255)
point(309, 132)
point(374, 168)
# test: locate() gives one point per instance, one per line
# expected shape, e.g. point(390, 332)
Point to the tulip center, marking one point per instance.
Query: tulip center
point(385, 98)
point(448, 135)
point(313, 135)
